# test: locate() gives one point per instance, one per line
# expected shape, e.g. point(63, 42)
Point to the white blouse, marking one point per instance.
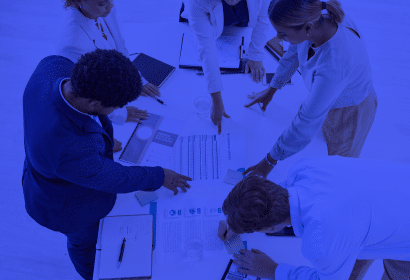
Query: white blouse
point(337, 75)
point(206, 20)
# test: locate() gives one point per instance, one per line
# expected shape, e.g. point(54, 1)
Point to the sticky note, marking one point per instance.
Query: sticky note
point(233, 177)
point(234, 244)
point(145, 197)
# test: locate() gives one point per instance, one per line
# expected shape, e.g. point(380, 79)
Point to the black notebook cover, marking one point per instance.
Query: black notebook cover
point(154, 71)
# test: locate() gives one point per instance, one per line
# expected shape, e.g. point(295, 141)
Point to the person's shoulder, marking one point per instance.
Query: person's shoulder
point(198, 6)
point(56, 63)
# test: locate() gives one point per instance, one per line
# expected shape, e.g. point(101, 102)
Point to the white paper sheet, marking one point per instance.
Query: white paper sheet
point(137, 256)
point(228, 51)
point(207, 157)
point(172, 232)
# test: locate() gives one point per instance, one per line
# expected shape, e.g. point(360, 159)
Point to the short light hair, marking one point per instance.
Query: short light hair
point(256, 203)
point(295, 13)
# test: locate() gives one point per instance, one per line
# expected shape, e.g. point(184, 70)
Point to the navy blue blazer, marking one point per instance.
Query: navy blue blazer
point(70, 180)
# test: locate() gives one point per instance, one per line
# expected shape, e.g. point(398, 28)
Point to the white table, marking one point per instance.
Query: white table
point(163, 41)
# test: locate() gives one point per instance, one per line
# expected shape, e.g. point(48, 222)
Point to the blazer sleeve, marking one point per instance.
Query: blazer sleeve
point(201, 26)
point(74, 43)
point(259, 33)
point(87, 167)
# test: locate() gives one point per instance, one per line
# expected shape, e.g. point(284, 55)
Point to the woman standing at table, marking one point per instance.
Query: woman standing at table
point(93, 24)
point(207, 19)
point(333, 60)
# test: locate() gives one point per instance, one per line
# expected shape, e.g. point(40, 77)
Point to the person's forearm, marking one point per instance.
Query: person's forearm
point(272, 90)
point(216, 97)
point(270, 160)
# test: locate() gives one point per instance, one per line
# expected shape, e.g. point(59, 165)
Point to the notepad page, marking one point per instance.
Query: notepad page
point(137, 257)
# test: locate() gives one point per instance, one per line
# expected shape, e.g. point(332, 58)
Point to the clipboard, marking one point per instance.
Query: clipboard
point(189, 57)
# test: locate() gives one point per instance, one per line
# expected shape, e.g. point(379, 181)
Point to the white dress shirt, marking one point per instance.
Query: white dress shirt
point(338, 75)
point(346, 209)
point(206, 20)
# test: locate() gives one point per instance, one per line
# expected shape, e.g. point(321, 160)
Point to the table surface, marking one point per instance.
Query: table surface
point(178, 92)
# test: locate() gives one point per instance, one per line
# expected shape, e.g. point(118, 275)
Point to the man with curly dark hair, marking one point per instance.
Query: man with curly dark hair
point(70, 179)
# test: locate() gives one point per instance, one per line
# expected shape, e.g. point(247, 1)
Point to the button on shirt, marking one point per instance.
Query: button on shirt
point(346, 209)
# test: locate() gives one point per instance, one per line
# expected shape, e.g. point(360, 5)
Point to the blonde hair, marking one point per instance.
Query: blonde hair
point(295, 13)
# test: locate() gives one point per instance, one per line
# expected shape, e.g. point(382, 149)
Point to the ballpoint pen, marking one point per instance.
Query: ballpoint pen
point(121, 254)
point(157, 99)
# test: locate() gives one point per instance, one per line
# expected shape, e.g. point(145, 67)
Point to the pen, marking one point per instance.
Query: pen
point(121, 254)
point(157, 99)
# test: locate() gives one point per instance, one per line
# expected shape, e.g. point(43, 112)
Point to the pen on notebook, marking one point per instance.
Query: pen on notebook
point(121, 254)
point(157, 99)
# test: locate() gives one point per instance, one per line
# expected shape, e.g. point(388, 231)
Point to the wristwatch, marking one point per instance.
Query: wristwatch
point(272, 162)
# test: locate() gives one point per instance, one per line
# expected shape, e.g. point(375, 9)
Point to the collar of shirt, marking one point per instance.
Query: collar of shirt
point(62, 96)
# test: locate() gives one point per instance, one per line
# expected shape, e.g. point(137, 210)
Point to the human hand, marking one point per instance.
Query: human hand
point(264, 97)
point(150, 89)
point(255, 263)
point(224, 233)
point(135, 115)
point(218, 110)
point(117, 146)
point(173, 180)
point(263, 168)
point(257, 70)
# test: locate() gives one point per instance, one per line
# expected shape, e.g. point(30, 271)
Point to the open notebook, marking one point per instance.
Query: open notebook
point(137, 257)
